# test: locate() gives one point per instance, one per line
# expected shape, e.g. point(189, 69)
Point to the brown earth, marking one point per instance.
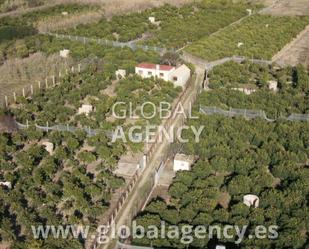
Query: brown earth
point(296, 52)
point(289, 8)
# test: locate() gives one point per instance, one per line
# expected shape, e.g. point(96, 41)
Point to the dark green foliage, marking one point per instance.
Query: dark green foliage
point(238, 157)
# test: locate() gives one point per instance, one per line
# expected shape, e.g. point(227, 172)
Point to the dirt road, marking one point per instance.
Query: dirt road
point(125, 213)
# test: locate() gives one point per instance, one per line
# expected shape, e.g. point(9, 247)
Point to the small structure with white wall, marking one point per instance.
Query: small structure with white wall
point(220, 247)
point(179, 76)
point(239, 44)
point(6, 184)
point(152, 19)
point(120, 74)
point(85, 109)
point(251, 200)
point(64, 53)
point(49, 147)
point(182, 162)
point(273, 85)
point(245, 90)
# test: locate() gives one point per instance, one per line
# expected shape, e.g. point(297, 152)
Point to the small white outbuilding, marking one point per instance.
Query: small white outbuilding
point(245, 90)
point(49, 147)
point(152, 19)
point(182, 162)
point(85, 109)
point(249, 11)
point(120, 74)
point(251, 200)
point(6, 184)
point(64, 13)
point(64, 53)
point(273, 85)
point(220, 247)
point(239, 44)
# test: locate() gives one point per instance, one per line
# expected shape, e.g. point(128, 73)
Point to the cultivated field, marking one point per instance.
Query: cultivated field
point(258, 36)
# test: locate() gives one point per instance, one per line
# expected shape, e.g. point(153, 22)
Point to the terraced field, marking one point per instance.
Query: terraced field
point(259, 36)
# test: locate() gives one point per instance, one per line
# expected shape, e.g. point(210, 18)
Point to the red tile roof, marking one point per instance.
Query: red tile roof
point(153, 66)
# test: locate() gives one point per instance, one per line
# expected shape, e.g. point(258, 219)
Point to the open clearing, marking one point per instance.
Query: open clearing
point(289, 8)
point(297, 52)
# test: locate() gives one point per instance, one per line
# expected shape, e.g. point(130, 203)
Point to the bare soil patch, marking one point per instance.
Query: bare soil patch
point(289, 8)
point(296, 52)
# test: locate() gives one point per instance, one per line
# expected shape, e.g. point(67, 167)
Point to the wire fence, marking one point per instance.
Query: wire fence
point(250, 114)
point(90, 132)
point(30, 87)
point(106, 42)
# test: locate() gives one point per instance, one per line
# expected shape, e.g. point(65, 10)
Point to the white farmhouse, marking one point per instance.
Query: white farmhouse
point(251, 200)
point(273, 85)
point(85, 109)
point(64, 53)
point(183, 162)
point(179, 76)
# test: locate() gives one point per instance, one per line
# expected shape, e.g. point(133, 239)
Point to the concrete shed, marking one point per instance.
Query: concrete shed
point(251, 200)
point(220, 247)
point(273, 85)
point(6, 184)
point(183, 162)
point(152, 19)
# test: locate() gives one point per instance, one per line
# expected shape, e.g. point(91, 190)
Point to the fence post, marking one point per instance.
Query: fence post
point(31, 89)
point(59, 74)
point(39, 84)
point(72, 69)
point(24, 94)
point(27, 123)
point(79, 68)
point(14, 96)
point(6, 101)
point(46, 83)
point(47, 126)
point(54, 82)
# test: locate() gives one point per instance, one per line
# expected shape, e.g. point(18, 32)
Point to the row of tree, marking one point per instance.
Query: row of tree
point(239, 157)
